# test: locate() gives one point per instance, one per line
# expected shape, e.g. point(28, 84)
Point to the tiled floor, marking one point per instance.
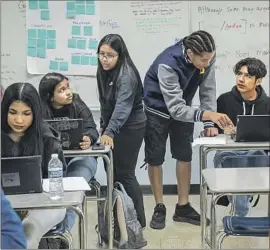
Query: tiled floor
point(179, 235)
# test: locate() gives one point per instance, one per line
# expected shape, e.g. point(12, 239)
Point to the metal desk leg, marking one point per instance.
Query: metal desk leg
point(203, 197)
point(203, 165)
point(109, 163)
point(82, 228)
point(213, 224)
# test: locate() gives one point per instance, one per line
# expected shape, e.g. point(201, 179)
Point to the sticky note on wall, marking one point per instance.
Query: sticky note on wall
point(88, 30)
point(51, 44)
point(72, 43)
point(41, 53)
point(51, 34)
point(93, 44)
point(76, 30)
point(33, 5)
point(43, 4)
point(54, 65)
point(42, 34)
point(81, 44)
point(45, 15)
point(76, 59)
point(63, 66)
point(32, 33)
point(90, 9)
point(32, 52)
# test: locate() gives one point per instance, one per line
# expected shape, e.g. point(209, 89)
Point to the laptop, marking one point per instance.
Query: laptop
point(71, 132)
point(21, 175)
point(252, 128)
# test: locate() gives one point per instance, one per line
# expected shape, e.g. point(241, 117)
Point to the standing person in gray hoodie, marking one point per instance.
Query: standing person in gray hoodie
point(246, 98)
point(122, 115)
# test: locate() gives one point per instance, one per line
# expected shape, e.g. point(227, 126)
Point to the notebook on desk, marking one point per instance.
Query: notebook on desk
point(21, 175)
point(252, 128)
point(71, 131)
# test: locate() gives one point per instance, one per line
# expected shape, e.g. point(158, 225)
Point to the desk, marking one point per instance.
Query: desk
point(230, 145)
point(106, 154)
point(71, 200)
point(231, 181)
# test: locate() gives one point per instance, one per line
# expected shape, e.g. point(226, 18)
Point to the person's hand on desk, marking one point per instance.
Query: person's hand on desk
point(210, 132)
point(222, 120)
point(107, 140)
point(86, 142)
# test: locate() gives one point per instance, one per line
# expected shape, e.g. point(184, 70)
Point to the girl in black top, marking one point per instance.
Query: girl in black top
point(60, 103)
point(24, 133)
point(122, 115)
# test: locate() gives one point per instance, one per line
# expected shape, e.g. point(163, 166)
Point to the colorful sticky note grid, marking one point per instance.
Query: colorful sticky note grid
point(76, 30)
point(85, 60)
point(93, 44)
point(51, 44)
point(90, 9)
point(32, 52)
point(32, 33)
point(51, 34)
point(71, 14)
point(54, 65)
point(76, 59)
point(43, 4)
point(41, 53)
point(41, 43)
point(72, 43)
point(80, 9)
point(42, 34)
point(33, 4)
point(88, 30)
point(80, 2)
point(81, 44)
point(45, 15)
point(63, 66)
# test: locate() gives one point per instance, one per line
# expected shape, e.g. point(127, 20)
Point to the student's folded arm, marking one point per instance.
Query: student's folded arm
point(173, 96)
point(89, 126)
point(207, 92)
point(124, 104)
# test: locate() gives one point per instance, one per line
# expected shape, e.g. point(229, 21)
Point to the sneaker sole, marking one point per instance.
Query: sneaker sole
point(183, 219)
point(159, 226)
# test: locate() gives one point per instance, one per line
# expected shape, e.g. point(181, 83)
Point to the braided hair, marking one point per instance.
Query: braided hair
point(199, 42)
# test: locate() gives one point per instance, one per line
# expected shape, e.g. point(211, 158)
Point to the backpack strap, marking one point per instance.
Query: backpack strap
point(119, 186)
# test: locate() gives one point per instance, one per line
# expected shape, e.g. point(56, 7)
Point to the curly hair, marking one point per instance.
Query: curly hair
point(255, 67)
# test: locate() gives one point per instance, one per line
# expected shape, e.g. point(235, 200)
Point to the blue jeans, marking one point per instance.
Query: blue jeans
point(85, 167)
point(242, 160)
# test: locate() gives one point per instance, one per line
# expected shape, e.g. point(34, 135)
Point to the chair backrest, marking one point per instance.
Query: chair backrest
point(245, 161)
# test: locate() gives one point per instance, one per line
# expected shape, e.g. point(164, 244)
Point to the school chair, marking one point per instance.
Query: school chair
point(243, 226)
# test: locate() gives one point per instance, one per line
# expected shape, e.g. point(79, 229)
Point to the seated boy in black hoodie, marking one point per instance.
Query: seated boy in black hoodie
point(246, 98)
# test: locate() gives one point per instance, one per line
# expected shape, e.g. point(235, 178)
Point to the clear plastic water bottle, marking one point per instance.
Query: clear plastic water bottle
point(55, 172)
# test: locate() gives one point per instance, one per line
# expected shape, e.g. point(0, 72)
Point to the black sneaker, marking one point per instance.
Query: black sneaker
point(186, 213)
point(159, 217)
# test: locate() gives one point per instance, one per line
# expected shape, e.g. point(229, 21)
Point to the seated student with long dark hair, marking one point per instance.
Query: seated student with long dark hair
point(24, 133)
point(122, 115)
point(59, 103)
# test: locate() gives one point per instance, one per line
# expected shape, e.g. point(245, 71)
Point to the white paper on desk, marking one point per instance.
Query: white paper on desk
point(70, 184)
point(209, 140)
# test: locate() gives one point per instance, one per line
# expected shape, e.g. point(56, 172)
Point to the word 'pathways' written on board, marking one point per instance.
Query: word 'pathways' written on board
point(62, 36)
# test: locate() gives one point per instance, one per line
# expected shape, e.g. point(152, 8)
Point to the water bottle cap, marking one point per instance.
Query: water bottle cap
point(54, 155)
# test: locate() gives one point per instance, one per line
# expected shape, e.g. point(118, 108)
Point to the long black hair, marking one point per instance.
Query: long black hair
point(31, 141)
point(46, 91)
point(199, 42)
point(123, 66)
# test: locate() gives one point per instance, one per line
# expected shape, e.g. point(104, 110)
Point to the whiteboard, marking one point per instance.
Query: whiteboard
point(240, 30)
point(148, 27)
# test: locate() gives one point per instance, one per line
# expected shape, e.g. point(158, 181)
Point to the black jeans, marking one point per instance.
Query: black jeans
point(127, 145)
